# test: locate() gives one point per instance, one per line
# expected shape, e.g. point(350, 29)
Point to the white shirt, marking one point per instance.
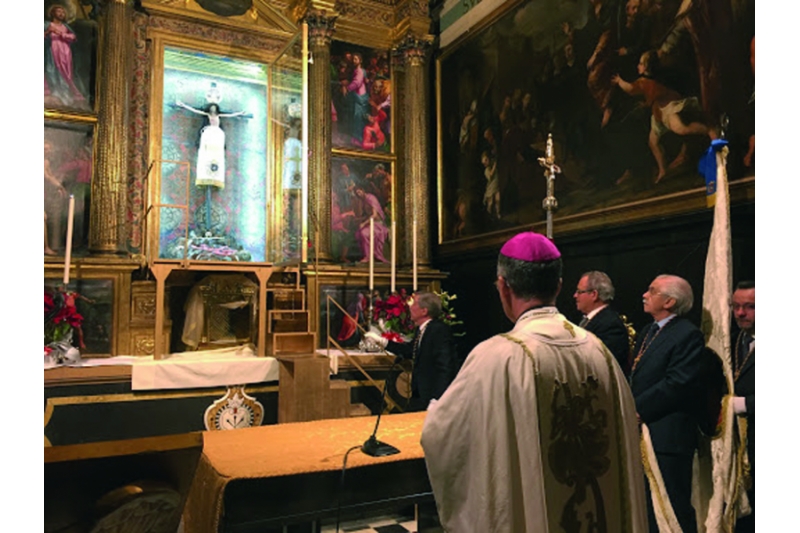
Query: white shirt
point(594, 312)
point(422, 329)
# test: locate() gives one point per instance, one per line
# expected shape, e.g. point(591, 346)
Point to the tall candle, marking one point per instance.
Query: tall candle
point(68, 253)
point(371, 255)
point(394, 254)
point(414, 253)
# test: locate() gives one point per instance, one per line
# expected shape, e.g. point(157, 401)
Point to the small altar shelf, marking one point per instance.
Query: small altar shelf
point(269, 477)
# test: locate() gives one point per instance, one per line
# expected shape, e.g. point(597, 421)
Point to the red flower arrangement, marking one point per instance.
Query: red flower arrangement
point(60, 317)
point(394, 317)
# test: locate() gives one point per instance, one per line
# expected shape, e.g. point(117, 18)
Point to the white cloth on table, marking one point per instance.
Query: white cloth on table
point(211, 368)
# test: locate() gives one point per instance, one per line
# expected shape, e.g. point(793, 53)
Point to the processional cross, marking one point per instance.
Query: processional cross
point(550, 203)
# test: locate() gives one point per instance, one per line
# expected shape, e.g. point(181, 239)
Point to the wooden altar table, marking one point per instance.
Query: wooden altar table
point(128, 397)
point(268, 477)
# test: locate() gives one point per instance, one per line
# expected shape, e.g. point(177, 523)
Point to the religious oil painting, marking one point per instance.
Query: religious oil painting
point(90, 303)
point(361, 190)
point(70, 55)
point(361, 103)
point(67, 173)
point(633, 92)
point(214, 123)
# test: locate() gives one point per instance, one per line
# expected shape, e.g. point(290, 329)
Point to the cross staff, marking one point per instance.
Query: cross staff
point(550, 203)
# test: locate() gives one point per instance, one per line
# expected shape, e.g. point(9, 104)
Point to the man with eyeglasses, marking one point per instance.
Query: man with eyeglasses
point(743, 365)
point(538, 431)
point(592, 298)
point(668, 378)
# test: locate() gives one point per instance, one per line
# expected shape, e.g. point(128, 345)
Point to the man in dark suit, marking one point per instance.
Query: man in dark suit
point(432, 351)
point(743, 365)
point(592, 298)
point(668, 378)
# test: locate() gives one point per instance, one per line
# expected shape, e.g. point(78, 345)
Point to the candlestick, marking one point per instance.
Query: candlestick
point(414, 253)
point(371, 254)
point(394, 255)
point(68, 253)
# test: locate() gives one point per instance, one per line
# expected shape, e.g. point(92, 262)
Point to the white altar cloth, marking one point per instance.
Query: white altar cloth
point(190, 370)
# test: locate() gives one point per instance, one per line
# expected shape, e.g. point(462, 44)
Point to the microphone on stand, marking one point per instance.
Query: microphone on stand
point(372, 446)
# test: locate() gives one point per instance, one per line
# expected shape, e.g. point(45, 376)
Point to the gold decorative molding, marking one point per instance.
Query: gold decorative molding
point(412, 16)
point(367, 23)
point(299, 10)
point(372, 23)
point(264, 17)
point(320, 28)
point(412, 48)
point(143, 306)
point(669, 205)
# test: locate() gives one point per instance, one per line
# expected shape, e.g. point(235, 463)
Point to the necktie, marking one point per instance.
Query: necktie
point(748, 339)
point(415, 347)
point(651, 334)
point(584, 321)
point(744, 349)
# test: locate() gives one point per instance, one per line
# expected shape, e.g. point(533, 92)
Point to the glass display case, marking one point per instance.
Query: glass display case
point(214, 124)
point(228, 183)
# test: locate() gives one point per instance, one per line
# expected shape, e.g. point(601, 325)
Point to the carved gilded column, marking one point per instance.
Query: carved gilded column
point(415, 110)
point(107, 227)
point(320, 31)
point(399, 186)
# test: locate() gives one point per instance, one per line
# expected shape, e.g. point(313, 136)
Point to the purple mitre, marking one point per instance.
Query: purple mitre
point(531, 247)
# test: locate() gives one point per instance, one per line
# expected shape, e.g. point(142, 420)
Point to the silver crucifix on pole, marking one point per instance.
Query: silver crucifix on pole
point(550, 203)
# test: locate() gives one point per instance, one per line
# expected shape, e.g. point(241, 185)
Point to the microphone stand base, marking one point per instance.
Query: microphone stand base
point(375, 448)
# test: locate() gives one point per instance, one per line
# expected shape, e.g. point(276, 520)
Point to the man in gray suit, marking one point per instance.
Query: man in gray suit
point(592, 298)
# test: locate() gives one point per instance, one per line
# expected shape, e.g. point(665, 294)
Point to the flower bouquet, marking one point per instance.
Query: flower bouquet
point(393, 317)
point(61, 319)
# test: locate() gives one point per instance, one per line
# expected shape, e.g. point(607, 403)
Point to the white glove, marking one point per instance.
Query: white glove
point(739, 405)
point(377, 339)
